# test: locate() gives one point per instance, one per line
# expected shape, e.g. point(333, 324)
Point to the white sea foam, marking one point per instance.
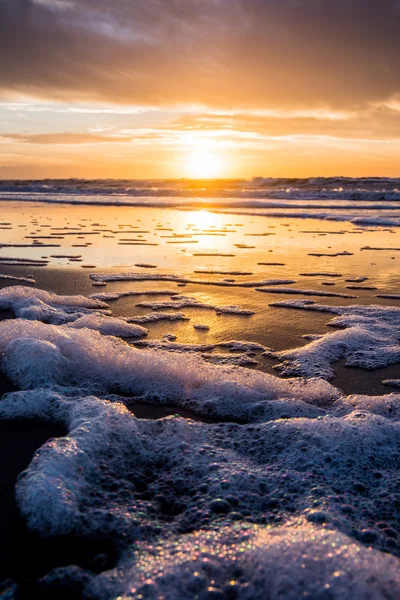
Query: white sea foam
point(108, 277)
point(302, 292)
point(15, 278)
point(392, 382)
point(170, 337)
point(219, 272)
point(109, 297)
point(321, 274)
point(37, 354)
point(172, 346)
point(188, 302)
point(368, 339)
point(390, 249)
point(389, 296)
point(241, 360)
point(157, 316)
point(40, 305)
point(356, 279)
point(109, 326)
point(330, 254)
point(243, 346)
point(174, 487)
point(361, 287)
point(253, 562)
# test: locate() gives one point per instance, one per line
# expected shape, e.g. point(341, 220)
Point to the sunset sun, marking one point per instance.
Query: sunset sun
point(204, 164)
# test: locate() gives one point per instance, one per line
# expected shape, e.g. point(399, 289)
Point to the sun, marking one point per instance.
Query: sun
point(203, 164)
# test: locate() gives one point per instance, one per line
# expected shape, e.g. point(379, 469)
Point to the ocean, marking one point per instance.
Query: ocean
point(360, 200)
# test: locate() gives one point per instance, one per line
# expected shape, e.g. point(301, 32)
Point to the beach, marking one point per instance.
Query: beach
point(199, 300)
point(197, 369)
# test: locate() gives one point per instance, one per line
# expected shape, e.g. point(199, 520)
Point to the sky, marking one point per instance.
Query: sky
point(199, 88)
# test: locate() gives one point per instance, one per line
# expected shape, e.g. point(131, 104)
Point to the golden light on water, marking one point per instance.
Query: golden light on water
point(204, 219)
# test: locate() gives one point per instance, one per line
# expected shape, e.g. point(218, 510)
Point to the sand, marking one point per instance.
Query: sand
point(25, 557)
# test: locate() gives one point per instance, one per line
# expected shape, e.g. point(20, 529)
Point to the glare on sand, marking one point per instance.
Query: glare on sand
point(204, 219)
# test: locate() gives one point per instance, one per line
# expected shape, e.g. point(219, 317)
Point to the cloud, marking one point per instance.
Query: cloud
point(63, 138)
point(338, 54)
point(373, 122)
point(239, 128)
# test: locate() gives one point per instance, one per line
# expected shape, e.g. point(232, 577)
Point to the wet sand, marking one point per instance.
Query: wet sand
point(24, 556)
point(270, 326)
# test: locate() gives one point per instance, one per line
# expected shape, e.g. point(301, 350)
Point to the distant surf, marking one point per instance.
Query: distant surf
point(364, 201)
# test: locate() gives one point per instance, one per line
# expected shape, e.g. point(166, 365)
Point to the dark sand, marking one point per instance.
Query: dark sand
point(24, 556)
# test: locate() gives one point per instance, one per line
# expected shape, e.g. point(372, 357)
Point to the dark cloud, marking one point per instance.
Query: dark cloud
point(248, 53)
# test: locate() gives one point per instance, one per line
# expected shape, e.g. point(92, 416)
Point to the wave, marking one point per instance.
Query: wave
point(364, 189)
point(373, 201)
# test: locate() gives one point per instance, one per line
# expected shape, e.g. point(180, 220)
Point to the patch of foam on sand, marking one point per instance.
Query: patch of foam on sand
point(75, 311)
point(294, 505)
point(389, 296)
point(369, 338)
point(37, 354)
point(295, 291)
point(242, 346)
point(154, 317)
point(172, 346)
point(218, 272)
point(40, 305)
point(14, 278)
point(107, 277)
point(392, 382)
point(241, 360)
point(320, 274)
point(188, 302)
point(109, 326)
point(110, 297)
point(245, 348)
